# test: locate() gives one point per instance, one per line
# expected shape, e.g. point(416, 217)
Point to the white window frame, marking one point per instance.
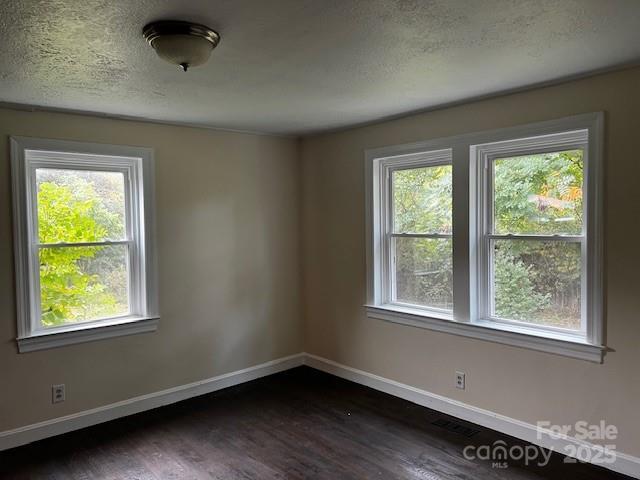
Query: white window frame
point(470, 311)
point(387, 258)
point(485, 156)
point(137, 166)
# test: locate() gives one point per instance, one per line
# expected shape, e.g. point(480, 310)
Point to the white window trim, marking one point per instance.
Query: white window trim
point(386, 258)
point(138, 166)
point(467, 318)
point(484, 156)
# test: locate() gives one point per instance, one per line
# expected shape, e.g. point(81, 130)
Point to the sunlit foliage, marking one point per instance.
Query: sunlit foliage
point(79, 283)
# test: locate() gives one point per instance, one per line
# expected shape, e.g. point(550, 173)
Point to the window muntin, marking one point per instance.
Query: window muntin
point(417, 240)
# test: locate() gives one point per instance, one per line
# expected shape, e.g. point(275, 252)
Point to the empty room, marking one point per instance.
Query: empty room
point(320, 239)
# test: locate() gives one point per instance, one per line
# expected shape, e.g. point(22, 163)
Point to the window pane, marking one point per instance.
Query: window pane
point(80, 206)
point(539, 194)
point(422, 200)
point(423, 272)
point(83, 283)
point(537, 282)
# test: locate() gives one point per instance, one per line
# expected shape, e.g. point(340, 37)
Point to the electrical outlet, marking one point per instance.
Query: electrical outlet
point(57, 393)
point(460, 380)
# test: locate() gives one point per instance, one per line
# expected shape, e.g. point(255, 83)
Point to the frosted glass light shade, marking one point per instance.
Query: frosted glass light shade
point(183, 49)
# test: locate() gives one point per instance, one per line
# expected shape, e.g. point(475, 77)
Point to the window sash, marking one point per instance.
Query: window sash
point(491, 292)
point(435, 158)
point(557, 142)
point(60, 161)
point(37, 320)
point(92, 163)
point(393, 300)
point(489, 171)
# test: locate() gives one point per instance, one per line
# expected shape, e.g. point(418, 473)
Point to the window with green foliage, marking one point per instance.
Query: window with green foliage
point(416, 232)
point(534, 236)
point(84, 241)
point(421, 237)
point(538, 280)
point(493, 235)
point(83, 252)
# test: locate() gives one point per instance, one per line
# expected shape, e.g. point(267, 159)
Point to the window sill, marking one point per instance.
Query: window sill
point(565, 345)
point(87, 333)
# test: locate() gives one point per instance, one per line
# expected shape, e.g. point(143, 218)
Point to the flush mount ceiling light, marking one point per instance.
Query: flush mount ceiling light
point(181, 43)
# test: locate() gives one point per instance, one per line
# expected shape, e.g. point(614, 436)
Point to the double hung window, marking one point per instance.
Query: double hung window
point(84, 243)
point(494, 235)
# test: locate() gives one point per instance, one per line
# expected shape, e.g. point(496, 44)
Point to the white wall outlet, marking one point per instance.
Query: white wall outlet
point(57, 393)
point(460, 380)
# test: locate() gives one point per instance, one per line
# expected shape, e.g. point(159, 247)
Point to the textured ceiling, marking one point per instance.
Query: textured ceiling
point(300, 66)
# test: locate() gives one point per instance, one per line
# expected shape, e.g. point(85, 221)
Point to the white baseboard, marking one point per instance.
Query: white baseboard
point(624, 463)
point(87, 418)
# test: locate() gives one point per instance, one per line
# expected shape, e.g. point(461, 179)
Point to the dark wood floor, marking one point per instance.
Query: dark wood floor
point(300, 424)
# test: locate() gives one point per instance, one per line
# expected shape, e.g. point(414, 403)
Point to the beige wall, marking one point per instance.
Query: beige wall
point(519, 383)
point(228, 245)
point(230, 263)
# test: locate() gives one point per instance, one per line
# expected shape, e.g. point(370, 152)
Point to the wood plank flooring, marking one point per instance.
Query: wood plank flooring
point(299, 424)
